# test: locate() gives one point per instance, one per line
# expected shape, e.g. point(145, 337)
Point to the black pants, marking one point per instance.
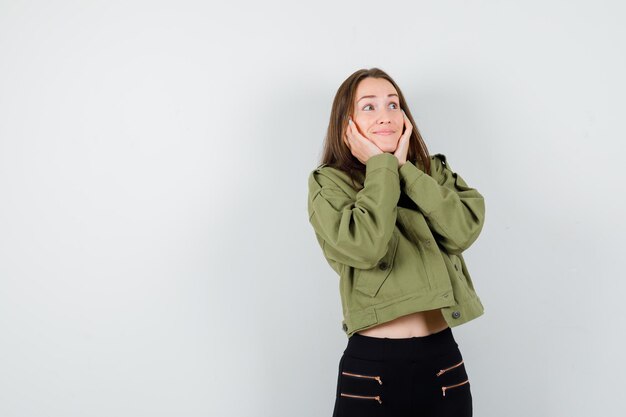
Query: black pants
point(416, 376)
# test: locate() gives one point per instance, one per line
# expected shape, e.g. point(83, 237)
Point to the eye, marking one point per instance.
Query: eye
point(394, 104)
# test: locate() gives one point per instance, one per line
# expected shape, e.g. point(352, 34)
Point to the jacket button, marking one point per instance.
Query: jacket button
point(344, 326)
point(456, 314)
point(456, 267)
point(383, 265)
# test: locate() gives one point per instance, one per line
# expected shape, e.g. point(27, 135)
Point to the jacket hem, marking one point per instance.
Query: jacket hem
point(389, 310)
point(465, 310)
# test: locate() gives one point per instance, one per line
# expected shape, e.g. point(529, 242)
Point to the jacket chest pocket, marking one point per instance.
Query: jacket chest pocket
point(369, 281)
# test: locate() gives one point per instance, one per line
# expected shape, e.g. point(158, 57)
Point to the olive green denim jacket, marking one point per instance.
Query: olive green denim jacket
point(397, 242)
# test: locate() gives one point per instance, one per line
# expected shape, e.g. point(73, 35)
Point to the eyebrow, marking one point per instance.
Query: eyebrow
point(390, 95)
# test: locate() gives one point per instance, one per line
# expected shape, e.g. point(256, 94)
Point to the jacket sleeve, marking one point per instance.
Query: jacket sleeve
point(356, 232)
point(452, 209)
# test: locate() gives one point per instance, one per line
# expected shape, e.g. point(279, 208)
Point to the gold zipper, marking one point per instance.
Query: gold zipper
point(447, 369)
point(375, 397)
point(377, 378)
point(443, 389)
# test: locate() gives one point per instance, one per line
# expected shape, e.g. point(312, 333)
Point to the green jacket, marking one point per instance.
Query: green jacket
point(396, 243)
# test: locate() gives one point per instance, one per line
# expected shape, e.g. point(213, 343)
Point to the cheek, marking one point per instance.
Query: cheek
point(362, 125)
point(363, 122)
point(360, 120)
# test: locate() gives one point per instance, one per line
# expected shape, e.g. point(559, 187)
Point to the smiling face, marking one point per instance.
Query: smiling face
point(377, 113)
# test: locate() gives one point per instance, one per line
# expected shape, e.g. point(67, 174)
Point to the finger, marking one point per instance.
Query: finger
point(350, 133)
point(355, 132)
point(407, 121)
point(406, 118)
point(408, 127)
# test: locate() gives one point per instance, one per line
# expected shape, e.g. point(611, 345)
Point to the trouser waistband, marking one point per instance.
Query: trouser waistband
point(409, 348)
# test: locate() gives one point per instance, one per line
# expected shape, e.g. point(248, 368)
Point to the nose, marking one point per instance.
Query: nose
point(385, 117)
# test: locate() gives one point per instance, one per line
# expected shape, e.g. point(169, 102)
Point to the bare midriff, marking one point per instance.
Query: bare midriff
point(421, 323)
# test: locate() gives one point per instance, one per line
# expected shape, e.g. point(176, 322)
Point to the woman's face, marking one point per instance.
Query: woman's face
point(377, 113)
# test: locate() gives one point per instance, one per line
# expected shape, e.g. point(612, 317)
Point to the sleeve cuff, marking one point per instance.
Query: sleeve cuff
point(409, 173)
point(382, 160)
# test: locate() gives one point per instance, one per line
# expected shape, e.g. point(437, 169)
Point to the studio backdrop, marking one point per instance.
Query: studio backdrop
point(156, 257)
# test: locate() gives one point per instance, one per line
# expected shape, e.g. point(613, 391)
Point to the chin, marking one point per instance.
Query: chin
point(386, 146)
point(389, 147)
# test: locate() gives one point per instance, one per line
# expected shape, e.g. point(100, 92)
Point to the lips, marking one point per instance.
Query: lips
point(384, 132)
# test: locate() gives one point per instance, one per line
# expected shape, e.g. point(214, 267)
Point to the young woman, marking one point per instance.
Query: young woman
point(393, 221)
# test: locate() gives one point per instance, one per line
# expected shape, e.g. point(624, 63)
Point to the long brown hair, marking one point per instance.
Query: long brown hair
point(337, 154)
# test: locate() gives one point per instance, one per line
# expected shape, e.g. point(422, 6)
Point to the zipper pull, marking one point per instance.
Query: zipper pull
point(379, 400)
point(380, 381)
point(443, 390)
point(447, 369)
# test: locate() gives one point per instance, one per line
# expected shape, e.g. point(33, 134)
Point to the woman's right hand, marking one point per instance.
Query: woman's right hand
point(361, 147)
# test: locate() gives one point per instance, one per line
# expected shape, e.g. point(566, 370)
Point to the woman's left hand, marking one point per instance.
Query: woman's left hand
point(403, 142)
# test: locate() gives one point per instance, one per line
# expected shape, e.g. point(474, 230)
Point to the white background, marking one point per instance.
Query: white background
point(155, 253)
